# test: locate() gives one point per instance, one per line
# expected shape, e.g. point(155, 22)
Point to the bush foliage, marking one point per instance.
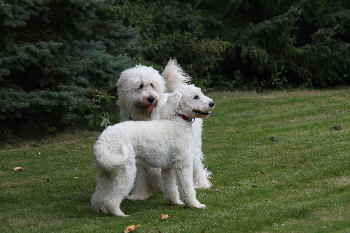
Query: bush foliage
point(59, 59)
point(247, 44)
point(56, 56)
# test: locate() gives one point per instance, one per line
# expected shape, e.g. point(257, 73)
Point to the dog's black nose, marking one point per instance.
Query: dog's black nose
point(150, 99)
point(211, 104)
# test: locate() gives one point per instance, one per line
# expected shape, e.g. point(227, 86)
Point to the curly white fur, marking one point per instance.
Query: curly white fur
point(164, 144)
point(176, 77)
point(140, 90)
point(135, 106)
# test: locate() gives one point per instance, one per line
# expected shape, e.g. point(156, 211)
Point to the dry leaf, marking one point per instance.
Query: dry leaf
point(164, 216)
point(18, 169)
point(131, 228)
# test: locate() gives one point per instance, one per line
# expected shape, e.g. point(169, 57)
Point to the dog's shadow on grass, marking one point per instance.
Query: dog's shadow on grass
point(155, 203)
point(78, 206)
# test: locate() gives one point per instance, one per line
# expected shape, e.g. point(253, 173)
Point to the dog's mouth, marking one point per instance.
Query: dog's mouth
point(151, 106)
point(198, 112)
point(144, 104)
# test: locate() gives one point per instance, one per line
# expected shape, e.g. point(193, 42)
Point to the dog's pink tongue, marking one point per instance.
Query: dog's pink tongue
point(150, 108)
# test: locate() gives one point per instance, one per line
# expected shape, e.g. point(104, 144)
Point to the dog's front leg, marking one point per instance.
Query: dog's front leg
point(170, 188)
point(184, 173)
point(200, 174)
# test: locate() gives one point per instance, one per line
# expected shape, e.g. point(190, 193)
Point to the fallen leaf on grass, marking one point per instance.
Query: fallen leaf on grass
point(131, 228)
point(18, 169)
point(336, 127)
point(164, 216)
point(273, 139)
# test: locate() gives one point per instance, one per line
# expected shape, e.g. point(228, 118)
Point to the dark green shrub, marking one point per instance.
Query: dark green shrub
point(177, 29)
point(55, 56)
point(308, 45)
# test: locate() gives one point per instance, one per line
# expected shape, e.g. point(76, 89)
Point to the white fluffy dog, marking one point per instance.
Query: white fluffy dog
point(165, 144)
point(141, 92)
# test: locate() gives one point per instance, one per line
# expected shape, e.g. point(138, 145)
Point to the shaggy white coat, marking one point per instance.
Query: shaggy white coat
point(164, 144)
point(135, 86)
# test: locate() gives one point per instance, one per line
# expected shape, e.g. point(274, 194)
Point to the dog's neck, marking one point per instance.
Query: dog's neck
point(185, 118)
point(136, 114)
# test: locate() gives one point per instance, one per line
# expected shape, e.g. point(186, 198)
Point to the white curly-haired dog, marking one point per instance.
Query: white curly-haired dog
point(165, 144)
point(141, 92)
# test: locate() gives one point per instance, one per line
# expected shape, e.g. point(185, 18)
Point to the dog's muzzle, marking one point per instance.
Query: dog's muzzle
point(201, 113)
point(197, 112)
point(151, 99)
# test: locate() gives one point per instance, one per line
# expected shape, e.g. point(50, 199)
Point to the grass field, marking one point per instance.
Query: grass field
point(281, 163)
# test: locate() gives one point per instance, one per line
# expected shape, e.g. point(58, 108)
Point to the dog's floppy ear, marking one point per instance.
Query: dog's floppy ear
point(174, 76)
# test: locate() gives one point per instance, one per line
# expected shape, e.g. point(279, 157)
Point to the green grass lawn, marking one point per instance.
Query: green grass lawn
point(281, 163)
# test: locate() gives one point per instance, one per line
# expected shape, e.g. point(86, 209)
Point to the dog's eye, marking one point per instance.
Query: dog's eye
point(196, 97)
point(152, 85)
point(141, 86)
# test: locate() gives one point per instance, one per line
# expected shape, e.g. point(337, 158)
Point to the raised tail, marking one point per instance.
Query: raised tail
point(109, 157)
point(174, 75)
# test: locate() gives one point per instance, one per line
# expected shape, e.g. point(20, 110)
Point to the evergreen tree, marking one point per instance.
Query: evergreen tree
point(247, 43)
point(58, 58)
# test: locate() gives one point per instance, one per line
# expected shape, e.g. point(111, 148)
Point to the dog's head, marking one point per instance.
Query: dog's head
point(140, 88)
point(192, 103)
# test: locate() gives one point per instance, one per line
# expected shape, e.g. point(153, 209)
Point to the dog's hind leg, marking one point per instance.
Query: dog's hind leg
point(170, 188)
point(141, 190)
point(123, 180)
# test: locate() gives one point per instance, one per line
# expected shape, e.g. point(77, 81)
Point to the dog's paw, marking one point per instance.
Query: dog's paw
point(198, 205)
point(119, 213)
point(202, 186)
point(124, 215)
point(177, 202)
point(202, 183)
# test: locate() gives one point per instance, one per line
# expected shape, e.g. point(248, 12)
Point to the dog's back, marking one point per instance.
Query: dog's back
point(152, 141)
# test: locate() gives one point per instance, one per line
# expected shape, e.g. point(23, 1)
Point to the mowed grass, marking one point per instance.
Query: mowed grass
point(281, 163)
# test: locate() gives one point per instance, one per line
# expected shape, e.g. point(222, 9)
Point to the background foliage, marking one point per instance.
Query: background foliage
point(248, 43)
point(59, 60)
